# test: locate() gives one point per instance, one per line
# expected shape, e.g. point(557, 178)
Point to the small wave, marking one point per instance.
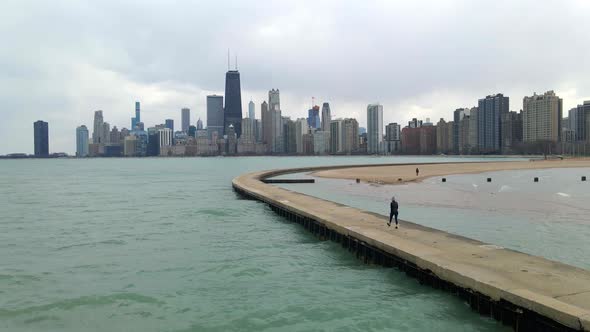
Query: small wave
point(115, 242)
point(70, 304)
point(250, 272)
point(20, 279)
point(564, 194)
point(41, 319)
point(213, 212)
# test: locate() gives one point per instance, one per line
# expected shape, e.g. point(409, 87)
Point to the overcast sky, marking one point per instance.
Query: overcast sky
point(62, 60)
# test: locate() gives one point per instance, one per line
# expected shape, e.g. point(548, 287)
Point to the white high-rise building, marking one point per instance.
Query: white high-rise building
point(301, 128)
point(541, 117)
point(321, 142)
point(185, 119)
point(374, 129)
point(165, 135)
point(251, 111)
point(326, 117)
point(248, 130)
point(82, 141)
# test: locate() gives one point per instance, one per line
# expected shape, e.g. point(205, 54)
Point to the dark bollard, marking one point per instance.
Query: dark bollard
point(536, 179)
point(400, 179)
point(489, 179)
point(444, 180)
point(584, 178)
point(358, 180)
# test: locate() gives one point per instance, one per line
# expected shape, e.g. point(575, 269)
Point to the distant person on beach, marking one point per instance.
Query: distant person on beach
point(393, 211)
point(417, 171)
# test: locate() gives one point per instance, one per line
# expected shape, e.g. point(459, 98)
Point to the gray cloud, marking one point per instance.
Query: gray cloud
point(61, 60)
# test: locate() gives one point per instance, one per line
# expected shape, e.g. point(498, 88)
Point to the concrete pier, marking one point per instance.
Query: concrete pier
point(527, 292)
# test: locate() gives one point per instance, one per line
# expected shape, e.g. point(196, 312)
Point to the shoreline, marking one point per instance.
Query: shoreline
point(392, 174)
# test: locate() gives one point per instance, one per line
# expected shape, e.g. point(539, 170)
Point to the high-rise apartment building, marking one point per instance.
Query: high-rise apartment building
point(445, 136)
point(350, 136)
point(41, 138)
point(301, 129)
point(374, 129)
point(251, 111)
point(344, 136)
point(541, 117)
point(115, 136)
point(336, 139)
point(490, 110)
point(326, 117)
point(464, 147)
point(428, 140)
point(185, 119)
point(129, 146)
point(419, 140)
point(215, 115)
point(473, 136)
point(392, 138)
point(276, 131)
point(512, 130)
point(248, 130)
point(82, 141)
point(232, 113)
point(106, 133)
point(579, 118)
point(199, 124)
point(289, 136)
point(321, 142)
point(265, 118)
point(458, 115)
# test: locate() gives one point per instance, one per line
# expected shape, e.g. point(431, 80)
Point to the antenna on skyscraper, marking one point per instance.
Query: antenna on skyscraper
point(228, 59)
point(236, 61)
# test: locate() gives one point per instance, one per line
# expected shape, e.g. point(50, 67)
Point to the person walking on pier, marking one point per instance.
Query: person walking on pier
point(417, 171)
point(393, 211)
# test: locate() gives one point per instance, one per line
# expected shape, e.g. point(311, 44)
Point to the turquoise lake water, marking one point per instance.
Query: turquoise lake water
point(166, 245)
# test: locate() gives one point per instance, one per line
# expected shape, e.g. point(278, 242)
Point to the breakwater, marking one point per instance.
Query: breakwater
point(526, 292)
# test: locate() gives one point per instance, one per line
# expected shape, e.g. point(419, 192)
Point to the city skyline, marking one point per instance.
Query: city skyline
point(488, 128)
point(442, 67)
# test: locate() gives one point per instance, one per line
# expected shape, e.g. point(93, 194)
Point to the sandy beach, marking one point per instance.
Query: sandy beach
point(407, 173)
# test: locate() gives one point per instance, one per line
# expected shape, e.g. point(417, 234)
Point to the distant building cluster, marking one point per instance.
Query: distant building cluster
point(488, 128)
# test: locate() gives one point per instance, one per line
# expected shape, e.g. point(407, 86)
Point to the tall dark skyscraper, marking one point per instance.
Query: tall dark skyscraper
point(232, 113)
point(490, 111)
point(41, 133)
point(169, 123)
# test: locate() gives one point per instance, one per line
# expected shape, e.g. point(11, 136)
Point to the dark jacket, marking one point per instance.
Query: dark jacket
point(394, 206)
